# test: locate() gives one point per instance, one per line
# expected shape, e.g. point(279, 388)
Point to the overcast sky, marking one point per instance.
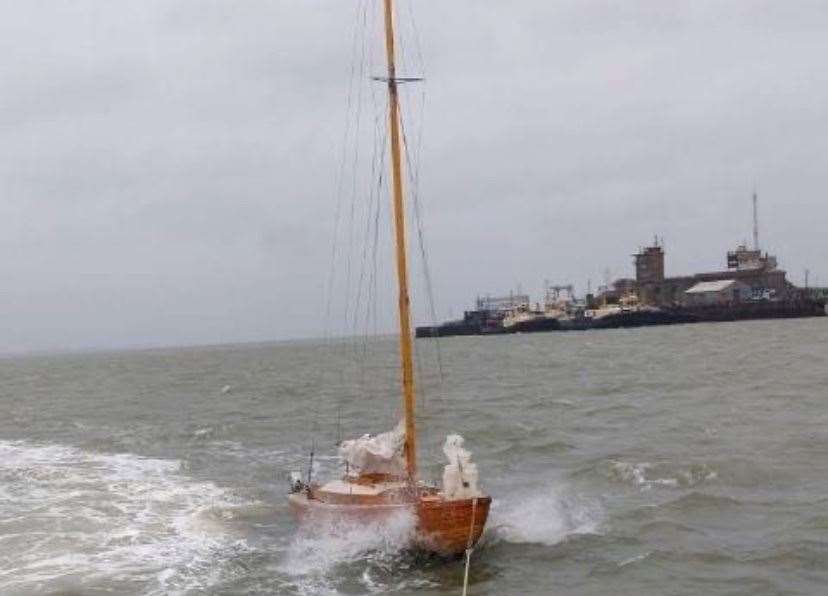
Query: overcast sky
point(167, 168)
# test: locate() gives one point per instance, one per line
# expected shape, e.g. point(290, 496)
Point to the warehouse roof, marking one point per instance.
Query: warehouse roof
point(705, 287)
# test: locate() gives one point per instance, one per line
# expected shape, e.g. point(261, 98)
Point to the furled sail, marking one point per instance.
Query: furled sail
point(378, 454)
point(460, 475)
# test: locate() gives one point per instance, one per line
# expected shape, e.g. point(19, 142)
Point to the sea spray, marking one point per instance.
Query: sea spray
point(78, 518)
point(544, 515)
point(321, 548)
point(647, 475)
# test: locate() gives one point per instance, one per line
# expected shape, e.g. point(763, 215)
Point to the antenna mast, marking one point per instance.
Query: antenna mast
point(406, 347)
point(755, 223)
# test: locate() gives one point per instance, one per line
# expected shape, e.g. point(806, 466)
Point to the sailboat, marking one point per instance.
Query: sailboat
point(381, 477)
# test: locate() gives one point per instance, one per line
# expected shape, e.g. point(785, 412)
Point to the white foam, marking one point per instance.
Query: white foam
point(643, 475)
point(545, 516)
point(634, 559)
point(320, 546)
point(200, 433)
point(85, 517)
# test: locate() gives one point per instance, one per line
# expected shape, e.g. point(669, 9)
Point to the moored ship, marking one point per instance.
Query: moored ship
point(752, 287)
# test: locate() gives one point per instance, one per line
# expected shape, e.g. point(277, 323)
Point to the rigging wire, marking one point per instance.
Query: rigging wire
point(374, 229)
point(364, 311)
point(360, 255)
point(355, 164)
point(356, 244)
point(377, 164)
point(417, 45)
point(413, 168)
point(349, 131)
point(338, 193)
point(340, 177)
point(424, 262)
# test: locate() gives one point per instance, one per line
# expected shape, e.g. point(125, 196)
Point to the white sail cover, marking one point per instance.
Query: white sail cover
point(460, 475)
point(378, 454)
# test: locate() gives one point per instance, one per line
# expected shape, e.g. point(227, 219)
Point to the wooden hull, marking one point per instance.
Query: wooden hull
point(442, 526)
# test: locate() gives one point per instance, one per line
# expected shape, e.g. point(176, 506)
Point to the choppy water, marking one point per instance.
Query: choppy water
point(682, 460)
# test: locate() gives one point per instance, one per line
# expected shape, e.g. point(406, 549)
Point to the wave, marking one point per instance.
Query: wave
point(697, 501)
point(334, 558)
point(647, 476)
point(801, 554)
point(667, 527)
point(74, 518)
point(327, 556)
point(545, 516)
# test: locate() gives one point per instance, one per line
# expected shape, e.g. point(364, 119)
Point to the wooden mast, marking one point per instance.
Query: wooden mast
point(402, 265)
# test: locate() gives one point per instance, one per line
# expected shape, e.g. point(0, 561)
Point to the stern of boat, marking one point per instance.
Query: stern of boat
point(448, 527)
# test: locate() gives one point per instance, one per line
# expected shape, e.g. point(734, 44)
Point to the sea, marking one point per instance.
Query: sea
point(682, 460)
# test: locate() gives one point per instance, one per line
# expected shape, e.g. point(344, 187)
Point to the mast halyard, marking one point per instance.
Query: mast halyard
point(406, 348)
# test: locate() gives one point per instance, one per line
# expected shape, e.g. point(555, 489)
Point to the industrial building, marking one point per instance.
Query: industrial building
point(724, 292)
point(754, 274)
point(751, 287)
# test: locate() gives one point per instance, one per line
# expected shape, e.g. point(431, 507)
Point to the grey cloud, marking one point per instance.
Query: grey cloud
point(166, 167)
